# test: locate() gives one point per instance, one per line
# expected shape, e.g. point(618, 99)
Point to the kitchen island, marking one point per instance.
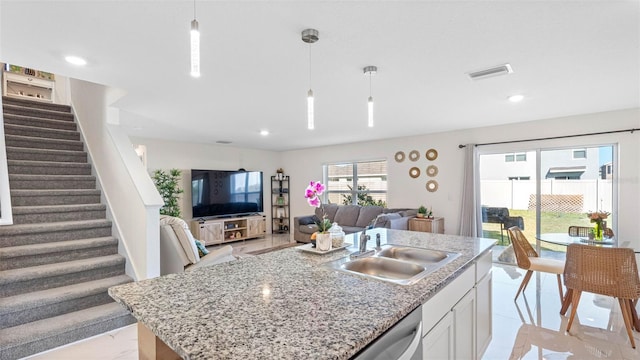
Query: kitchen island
point(285, 304)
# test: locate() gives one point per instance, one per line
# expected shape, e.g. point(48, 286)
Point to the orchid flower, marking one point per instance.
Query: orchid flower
point(311, 193)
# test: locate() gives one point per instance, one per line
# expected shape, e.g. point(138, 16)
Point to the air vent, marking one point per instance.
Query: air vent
point(490, 72)
point(225, 142)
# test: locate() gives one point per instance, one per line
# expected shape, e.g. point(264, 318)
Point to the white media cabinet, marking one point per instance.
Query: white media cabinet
point(218, 231)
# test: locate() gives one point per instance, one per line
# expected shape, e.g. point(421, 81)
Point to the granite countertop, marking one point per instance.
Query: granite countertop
point(284, 304)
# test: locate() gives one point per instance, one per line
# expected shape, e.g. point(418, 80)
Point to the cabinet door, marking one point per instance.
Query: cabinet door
point(464, 324)
point(484, 328)
point(438, 343)
point(255, 226)
point(212, 232)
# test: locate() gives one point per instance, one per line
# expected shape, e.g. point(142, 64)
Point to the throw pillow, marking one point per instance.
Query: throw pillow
point(307, 220)
point(202, 250)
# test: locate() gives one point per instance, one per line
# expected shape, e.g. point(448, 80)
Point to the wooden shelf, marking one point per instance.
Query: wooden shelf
point(218, 231)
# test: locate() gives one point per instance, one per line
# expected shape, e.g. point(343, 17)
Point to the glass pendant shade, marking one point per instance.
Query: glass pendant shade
point(370, 108)
point(310, 124)
point(195, 49)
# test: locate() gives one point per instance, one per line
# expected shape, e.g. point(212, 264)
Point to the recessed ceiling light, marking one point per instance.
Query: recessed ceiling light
point(75, 60)
point(264, 132)
point(516, 98)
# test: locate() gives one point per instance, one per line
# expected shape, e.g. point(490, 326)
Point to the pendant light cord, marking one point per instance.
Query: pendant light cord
point(309, 65)
point(194, 9)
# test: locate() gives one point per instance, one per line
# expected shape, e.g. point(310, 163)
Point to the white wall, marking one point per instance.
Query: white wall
point(131, 197)
point(404, 191)
point(162, 154)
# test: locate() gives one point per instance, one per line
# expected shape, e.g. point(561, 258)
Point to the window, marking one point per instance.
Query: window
point(515, 157)
point(362, 183)
point(580, 154)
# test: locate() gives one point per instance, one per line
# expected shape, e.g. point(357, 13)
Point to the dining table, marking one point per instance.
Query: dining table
point(564, 239)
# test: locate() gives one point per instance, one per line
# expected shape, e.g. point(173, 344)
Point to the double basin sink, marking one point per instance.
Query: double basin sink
point(400, 264)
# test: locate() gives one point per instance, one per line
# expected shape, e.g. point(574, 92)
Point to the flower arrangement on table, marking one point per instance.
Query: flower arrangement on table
point(598, 217)
point(312, 194)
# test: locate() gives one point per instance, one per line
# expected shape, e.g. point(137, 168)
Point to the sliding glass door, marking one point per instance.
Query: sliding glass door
point(545, 191)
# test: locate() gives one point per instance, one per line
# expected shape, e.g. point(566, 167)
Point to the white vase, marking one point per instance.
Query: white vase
point(323, 241)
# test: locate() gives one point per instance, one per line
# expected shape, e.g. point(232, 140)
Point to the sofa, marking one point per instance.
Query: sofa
point(179, 250)
point(352, 218)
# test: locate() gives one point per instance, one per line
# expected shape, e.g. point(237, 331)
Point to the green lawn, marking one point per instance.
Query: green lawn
point(551, 222)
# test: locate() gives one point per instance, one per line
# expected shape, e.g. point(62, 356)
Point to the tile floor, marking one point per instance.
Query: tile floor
point(530, 328)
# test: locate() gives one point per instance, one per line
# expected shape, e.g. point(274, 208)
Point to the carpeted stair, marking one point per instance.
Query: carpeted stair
point(59, 257)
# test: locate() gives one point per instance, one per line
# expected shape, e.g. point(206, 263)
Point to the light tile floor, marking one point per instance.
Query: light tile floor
point(530, 328)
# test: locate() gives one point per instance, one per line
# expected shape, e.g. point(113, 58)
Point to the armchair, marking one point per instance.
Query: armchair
point(178, 251)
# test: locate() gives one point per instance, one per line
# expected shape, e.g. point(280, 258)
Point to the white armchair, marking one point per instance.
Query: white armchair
point(178, 251)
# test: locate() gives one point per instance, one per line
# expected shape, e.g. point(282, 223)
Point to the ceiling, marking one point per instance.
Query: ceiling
point(568, 57)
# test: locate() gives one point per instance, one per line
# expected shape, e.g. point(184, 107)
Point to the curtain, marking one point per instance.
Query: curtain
point(470, 221)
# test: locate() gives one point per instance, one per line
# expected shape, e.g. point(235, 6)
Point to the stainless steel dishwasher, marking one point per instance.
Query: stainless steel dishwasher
point(402, 342)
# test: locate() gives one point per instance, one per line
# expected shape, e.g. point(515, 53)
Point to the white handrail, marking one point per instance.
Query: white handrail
point(6, 215)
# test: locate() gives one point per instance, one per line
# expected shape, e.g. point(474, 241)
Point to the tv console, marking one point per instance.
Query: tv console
point(224, 230)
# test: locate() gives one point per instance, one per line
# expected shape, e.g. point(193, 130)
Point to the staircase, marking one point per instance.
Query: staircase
point(59, 258)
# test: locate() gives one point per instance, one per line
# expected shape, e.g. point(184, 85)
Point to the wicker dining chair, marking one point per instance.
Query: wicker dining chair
point(528, 259)
point(605, 271)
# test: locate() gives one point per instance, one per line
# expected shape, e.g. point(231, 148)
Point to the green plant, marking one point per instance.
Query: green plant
point(167, 183)
point(422, 210)
point(364, 199)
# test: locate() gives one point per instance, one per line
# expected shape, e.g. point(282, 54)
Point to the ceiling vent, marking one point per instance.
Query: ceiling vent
point(490, 72)
point(224, 142)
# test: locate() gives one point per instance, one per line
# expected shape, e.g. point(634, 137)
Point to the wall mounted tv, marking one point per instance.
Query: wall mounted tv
point(217, 193)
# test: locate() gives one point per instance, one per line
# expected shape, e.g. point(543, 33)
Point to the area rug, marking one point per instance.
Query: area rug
point(275, 248)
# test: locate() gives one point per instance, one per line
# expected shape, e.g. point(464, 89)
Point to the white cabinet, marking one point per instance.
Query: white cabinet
point(28, 87)
point(218, 231)
point(457, 319)
point(483, 313)
point(464, 324)
point(438, 344)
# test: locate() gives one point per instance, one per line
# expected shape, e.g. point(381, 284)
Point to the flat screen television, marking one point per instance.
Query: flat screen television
point(218, 193)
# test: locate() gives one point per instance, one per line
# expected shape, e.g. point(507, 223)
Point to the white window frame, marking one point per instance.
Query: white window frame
point(354, 183)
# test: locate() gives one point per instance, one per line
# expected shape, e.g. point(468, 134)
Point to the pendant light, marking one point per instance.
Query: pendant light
point(370, 70)
point(310, 36)
point(195, 45)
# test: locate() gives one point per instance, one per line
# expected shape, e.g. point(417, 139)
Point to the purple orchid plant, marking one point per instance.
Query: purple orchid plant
point(312, 194)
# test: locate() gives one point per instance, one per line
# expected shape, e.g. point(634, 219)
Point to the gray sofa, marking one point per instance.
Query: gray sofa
point(352, 218)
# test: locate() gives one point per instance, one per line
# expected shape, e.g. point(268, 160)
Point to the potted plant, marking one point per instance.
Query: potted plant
point(422, 211)
point(167, 183)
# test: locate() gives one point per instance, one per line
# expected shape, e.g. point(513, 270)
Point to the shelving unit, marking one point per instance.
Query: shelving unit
point(280, 221)
point(28, 87)
point(218, 231)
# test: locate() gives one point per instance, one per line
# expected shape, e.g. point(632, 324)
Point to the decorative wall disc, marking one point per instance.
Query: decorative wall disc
point(414, 172)
point(432, 170)
point(399, 156)
point(432, 186)
point(414, 155)
point(431, 154)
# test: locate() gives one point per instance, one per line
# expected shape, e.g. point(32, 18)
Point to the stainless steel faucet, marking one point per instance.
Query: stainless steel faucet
point(363, 241)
